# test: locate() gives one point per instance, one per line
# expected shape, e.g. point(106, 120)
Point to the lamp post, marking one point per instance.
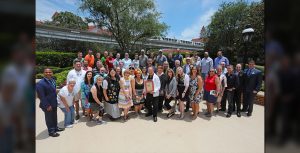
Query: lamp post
point(247, 37)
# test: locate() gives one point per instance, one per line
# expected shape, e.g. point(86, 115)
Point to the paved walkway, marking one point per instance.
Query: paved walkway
point(141, 135)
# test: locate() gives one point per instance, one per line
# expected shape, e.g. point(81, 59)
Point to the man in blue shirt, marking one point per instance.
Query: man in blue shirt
point(220, 59)
point(178, 56)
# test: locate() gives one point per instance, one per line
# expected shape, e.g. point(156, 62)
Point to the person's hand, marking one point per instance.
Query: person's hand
point(152, 92)
point(216, 95)
point(49, 108)
point(106, 98)
point(254, 91)
point(183, 94)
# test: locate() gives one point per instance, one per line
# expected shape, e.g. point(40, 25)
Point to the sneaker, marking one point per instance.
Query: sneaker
point(208, 115)
point(77, 117)
point(99, 122)
point(69, 126)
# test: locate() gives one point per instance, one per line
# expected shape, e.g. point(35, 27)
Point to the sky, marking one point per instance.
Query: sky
point(185, 18)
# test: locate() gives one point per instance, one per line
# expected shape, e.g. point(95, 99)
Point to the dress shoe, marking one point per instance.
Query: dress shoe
point(249, 114)
point(238, 114)
point(243, 110)
point(148, 114)
point(60, 129)
point(228, 115)
point(53, 134)
point(186, 110)
point(221, 110)
point(155, 119)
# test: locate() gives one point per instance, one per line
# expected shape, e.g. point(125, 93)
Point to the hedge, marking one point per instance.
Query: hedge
point(57, 59)
point(40, 69)
point(60, 77)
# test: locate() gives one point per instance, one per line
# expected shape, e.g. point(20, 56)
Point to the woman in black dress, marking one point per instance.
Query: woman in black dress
point(183, 81)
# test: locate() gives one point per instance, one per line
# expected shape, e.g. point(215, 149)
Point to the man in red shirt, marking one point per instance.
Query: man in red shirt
point(90, 58)
point(109, 62)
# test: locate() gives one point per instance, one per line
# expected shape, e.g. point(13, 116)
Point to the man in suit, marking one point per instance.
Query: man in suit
point(238, 92)
point(252, 84)
point(46, 92)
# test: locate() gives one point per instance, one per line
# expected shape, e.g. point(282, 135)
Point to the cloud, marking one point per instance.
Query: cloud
point(193, 30)
point(45, 9)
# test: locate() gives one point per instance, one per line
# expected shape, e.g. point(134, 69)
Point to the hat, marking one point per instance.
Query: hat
point(142, 50)
point(160, 50)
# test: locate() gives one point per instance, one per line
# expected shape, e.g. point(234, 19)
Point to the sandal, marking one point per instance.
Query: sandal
point(170, 114)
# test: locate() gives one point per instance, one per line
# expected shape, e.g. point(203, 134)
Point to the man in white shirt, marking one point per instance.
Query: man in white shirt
point(78, 74)
point(152, 96)
point(127, 61)
point(206, 65)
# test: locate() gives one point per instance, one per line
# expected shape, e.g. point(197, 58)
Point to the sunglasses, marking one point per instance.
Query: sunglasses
point(131, 68)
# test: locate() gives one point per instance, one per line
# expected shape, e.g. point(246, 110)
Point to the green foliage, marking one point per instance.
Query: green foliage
point(68, 20)
point(129, 21)
point(61, 78)
point(40, 69)
point(58, 59)
point(227, 24)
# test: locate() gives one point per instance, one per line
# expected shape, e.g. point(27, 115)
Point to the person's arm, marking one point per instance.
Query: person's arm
point(156, 84)
point(217, 82)
point(105, 85)
point(42, 96)
point(227, 61)
point(92, 61)
point(132, 82)
point(64, 101)
point(236, 82)
point(258, 82)
point(174, 88)
point(94, 94)
point(200, 85)
point(186, 83)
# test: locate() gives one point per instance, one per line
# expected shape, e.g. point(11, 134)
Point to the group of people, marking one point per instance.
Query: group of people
point(114, 86)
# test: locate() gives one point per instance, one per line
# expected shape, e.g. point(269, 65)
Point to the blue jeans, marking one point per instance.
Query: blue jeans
point(69, 116)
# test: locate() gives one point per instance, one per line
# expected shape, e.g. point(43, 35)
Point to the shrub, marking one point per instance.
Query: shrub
point(61, 78)
point(57, 59)
point(40, 69)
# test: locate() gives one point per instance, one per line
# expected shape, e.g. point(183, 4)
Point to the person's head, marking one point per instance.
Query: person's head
point(79, 54)
point(178, 51)
point(90, 52)
point(85, 63)
point(99, 64)
point(112, 73)
point(219, 53)
point(179, 71)
point(118, 70)
point(170, 73)
point(230, 69)
point(188, 60)
point(142, 52)
point(126, 55)
point(223, 65)
point(88, 77)
point(251, 64)
point(77, 65)
point(170, 55)
point(194, 70)
point(48, 73)
point(160, 52)
point(160, 69)
point(166, 65)
point(144, 70)
point(131, 69)
point(149, 61)
point(150, 71)
point(71, 83)
point(111, 54)
point(212, 72)
point(138, 73)
point(118, 55)
point(105, 53)
point(238, 67)
point(98, 54)
point(219, 69)
point(99, 79)
point(136, 56)
point(126, 73)
point(152, 55)
point(102, 70)
point(177, 63)
point(206, 54)
point(121, 64)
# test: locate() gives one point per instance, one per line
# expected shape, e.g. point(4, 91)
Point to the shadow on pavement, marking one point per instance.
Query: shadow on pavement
point(44, 134)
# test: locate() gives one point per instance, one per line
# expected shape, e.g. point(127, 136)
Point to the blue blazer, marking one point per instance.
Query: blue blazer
point(47, 94)
point(252, 81)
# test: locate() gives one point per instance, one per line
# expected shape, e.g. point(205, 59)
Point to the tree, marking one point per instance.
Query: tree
point(129, 21)
point(68, 20)
point(227, 24)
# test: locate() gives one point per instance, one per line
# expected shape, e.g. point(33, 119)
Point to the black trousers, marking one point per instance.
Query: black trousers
point(167, 103)
point(152, 104)
point(51, 120)
point(248, 101)
point(223, 101)
point(187, 106)
point(160, 102)
point(237, 100)
point(230, 95)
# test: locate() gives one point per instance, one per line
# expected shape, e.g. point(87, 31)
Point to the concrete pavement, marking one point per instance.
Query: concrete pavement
point(141, 135)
